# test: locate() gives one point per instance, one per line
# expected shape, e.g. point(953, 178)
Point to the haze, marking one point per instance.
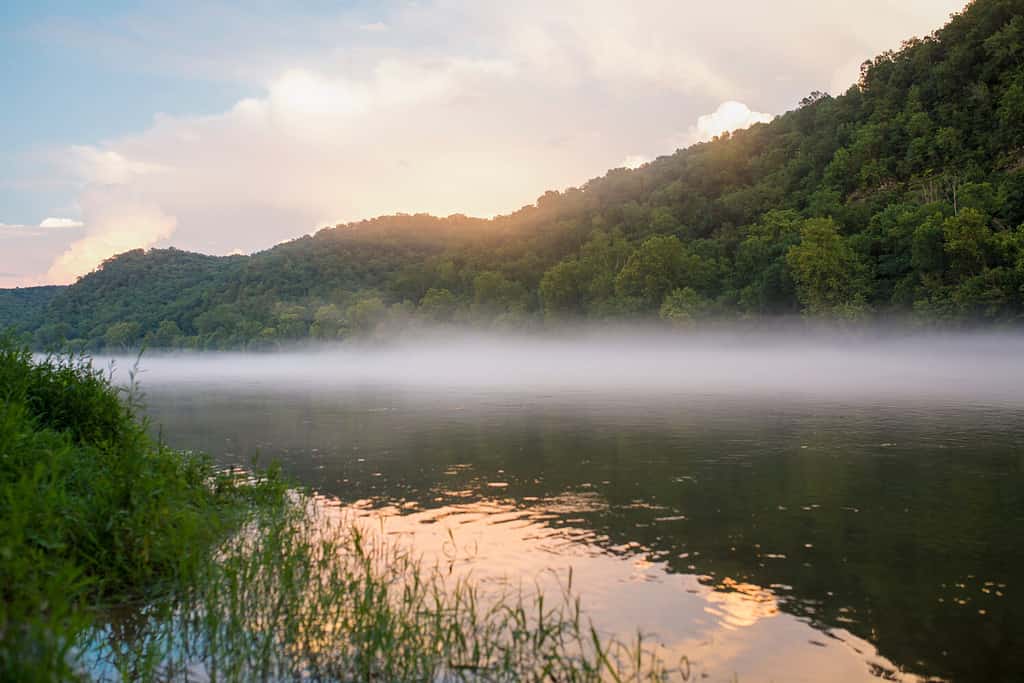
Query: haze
point(794, 364)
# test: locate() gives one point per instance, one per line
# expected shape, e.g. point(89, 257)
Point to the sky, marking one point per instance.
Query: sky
point(227, 128)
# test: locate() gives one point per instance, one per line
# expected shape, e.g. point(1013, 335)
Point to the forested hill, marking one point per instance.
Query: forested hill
point(903, 196)
point(23, 307)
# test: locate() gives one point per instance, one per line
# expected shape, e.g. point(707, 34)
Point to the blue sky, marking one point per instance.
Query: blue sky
point(66, 95)
point(225, 127)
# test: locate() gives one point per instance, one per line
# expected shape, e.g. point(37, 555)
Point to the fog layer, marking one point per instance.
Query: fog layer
point(950, 367)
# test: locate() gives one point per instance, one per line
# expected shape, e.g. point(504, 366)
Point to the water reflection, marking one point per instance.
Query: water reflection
point(723, 626)
point(776, 540)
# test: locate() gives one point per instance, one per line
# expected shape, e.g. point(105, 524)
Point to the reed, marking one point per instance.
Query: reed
point(300, 593)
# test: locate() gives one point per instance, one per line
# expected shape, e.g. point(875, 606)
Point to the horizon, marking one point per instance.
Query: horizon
point(186, 136)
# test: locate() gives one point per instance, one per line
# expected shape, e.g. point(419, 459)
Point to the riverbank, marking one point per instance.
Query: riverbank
point(96, 514)
point(237, 577)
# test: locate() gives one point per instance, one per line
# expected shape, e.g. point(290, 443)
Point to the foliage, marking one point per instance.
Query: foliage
point(902, 196)
point(830, 276)
point(21, 308)
point(652, 270)
point(94, 512)
point(684, 306)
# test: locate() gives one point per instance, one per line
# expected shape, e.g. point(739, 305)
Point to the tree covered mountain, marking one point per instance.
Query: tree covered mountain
point(903, 196)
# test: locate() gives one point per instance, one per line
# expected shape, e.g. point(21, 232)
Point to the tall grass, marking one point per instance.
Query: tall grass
point(122, 559)
point(93, 513)
point(301, 594)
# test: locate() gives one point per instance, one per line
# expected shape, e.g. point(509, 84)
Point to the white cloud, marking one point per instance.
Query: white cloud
point(728, 117)
point(50, 223)
point(459, 106)
point(26, 252)
point(105, 166)
point(416, 135)
point(54, 222)
point(116, 223)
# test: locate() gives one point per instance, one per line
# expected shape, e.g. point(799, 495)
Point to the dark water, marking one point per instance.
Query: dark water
point(788, 537)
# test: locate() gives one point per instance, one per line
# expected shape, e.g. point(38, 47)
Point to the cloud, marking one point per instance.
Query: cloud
point(635, 161)
point(435, 135)
point(458, 106)
point(27, 251)
point(728, 117)
point(46, 223)
point(105, 166)
point(116, 223)
point(53, 222)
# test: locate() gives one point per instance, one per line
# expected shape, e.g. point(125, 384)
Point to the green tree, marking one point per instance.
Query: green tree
point(494, 294)
point(653, 270)
point(831, 278)
point(684, 306)
point(223, 319)
point(760, 273)
point(122, 335)
point(167, 335)
point(928, 252)
point(562, 289)
point(52, 335)
point(328, 322)
point(438, 305)
point(601, 259)
point(366, 314)
point(290, 321)
point(967, 239)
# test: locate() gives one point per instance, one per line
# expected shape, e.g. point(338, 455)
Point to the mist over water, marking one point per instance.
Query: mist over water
point(980, 367)
point(796, 505)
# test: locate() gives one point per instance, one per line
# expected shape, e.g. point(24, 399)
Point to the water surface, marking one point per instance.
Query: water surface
point(851, 512)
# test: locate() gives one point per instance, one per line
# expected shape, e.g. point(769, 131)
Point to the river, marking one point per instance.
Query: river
point(775, 510)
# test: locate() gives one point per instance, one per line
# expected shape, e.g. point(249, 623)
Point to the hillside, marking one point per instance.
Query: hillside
point(23, 308)
point(903, 196)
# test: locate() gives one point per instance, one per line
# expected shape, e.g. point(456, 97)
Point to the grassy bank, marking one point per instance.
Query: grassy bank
point(94, 513)
point(123, 559)
point(300, 594)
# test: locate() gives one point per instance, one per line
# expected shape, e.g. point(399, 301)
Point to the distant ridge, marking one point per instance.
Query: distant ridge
point(24, 307)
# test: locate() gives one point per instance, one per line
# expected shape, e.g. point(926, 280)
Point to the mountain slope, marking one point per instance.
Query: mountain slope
point(905, 195)
point(22, 308)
